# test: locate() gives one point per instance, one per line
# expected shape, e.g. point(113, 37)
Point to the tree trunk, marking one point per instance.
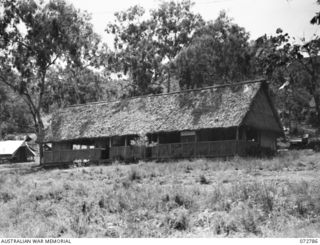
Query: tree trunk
point(317, 105)
point(41, 160)
point(169, 82)
point(40, 136)
point(315, 93)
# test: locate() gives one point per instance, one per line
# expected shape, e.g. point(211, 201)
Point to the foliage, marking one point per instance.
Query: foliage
point(144, 46)
point(218, 53)
point(142, 140)
point(74, 85)
point(35, 36)
point(50, 56)
point(174, 25)
point(13, 114)
point(292, 67)
point(134, 50)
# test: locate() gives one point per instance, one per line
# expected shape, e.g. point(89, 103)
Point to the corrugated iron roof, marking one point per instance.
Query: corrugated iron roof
point(9, 147)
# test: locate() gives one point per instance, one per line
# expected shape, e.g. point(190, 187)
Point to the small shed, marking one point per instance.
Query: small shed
point(15, 151)
point(29, 138)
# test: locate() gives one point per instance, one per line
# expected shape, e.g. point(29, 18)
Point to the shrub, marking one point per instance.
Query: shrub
point(249, 222)
point(178, 219)
point(183, 201)
point(223, 223)
point(203, 180)
point(111, 232)
point(303, 206)
point(6, 197)
point(135, 175)
point(266, 197)
point(188, 169)
point(102, 202)
point(126, 183)
point(153, 175)
point(79, 225)
point(177, 200)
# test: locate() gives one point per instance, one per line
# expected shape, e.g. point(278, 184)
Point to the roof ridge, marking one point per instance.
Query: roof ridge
point(259, 80)
point(11, 140)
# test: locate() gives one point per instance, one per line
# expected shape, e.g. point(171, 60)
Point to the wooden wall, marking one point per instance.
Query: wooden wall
point(68, 156)
point(217, 134)
point(268, 140)
point(261, 115)
point(200, 143)
point(101, 143)
point(20, 155)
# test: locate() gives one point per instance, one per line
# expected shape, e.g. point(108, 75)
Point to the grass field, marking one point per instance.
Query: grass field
point(279, 197)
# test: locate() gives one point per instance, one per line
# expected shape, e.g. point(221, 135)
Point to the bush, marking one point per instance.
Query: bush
point(178, 219)
point(135, 175)
point(249, 222)
point(6, 197)
point(224, 224)
point(188, 169)
point(203, 180)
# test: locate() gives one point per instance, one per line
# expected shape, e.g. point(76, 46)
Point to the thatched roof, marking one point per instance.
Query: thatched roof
point(213, 107)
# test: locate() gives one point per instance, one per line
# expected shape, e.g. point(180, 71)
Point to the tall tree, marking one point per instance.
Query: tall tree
point(134, 53)
point(73, 85)
point(295, 66)
point(146, 45)
point(218, 53)
point(173, 26)
point(14, 117)
point(35, 36)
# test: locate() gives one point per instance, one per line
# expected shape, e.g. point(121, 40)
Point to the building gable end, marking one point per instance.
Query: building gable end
point(262, 114)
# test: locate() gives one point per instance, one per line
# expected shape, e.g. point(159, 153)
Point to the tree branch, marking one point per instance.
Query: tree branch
point(27, 96)
point(4, 80)
point(52, 62)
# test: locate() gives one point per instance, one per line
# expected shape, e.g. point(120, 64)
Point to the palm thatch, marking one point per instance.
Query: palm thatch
point(213, 107)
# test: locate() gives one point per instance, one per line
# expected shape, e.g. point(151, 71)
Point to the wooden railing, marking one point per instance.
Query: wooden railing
point(128, 152)
point(183, 150)
point(162, 151)
point(68, 156)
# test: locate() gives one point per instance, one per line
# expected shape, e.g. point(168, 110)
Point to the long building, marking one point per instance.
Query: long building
point(217, 121)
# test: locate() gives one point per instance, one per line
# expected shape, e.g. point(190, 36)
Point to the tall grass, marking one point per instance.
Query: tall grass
point(238, 197)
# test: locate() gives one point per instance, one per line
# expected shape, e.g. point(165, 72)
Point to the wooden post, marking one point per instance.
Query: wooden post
point(237, 140)
point(158, 145)
point(109, 145)
point(195, 143)
point(125, 147)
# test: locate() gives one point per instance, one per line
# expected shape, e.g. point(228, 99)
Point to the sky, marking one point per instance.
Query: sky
point(258, 17)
